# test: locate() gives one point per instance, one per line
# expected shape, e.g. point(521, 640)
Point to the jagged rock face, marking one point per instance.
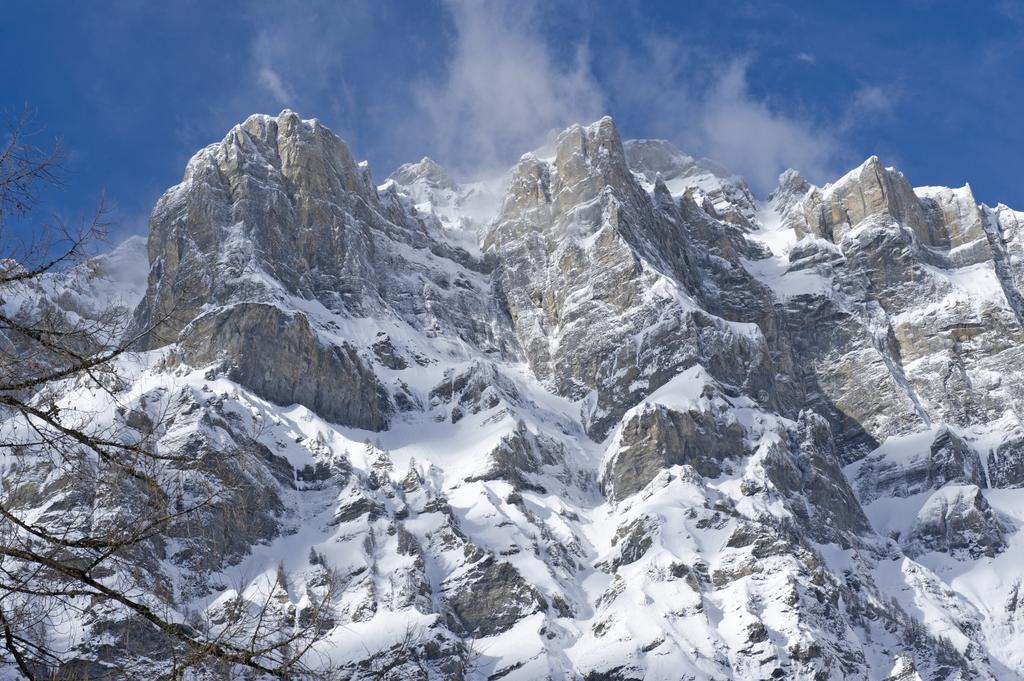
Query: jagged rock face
point(519, 458)
point(705, 433)
point(721, 194)
point(595, 278)
point(631, 424)
point(279, 213)
point(810, 477)
point(278, 356)
point(869, 191)
point(848, 373)
point(960, 218)
point(243, 493)
point(479, 388)
point(491, 597)
point(655, 437)
point(1004, 229)
point(661, 438)
point(921, 314)
point(791, 190)
point(248, 479)
point(271, 199)
point(279, 207)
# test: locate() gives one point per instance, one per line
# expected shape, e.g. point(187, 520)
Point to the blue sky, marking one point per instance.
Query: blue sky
point(134, 88)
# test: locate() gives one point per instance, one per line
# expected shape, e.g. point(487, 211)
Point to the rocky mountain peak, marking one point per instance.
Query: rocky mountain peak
point(310, 154)
point(593, 151)
point(427, 172)
point(869, 191)
point(956, 211)
point(580, 245)
point(710, 185)
point(254, 213)
point(791, 189)
point(657, 157)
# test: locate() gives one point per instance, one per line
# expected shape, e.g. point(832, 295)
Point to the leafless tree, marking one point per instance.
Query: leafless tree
point(86, 495)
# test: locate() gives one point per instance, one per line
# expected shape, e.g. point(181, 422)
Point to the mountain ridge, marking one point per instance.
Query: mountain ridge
point(645, 426)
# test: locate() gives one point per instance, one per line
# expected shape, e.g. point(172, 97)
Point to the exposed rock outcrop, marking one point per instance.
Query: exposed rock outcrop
point(491, 598)
point(957, 519)
point(278, 355)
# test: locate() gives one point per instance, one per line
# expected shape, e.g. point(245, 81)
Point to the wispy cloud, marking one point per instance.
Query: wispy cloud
point(269, 79)
point(301, 57)
point(503, 89)
point(751, 138)
point(704, 105)
point(503, 84)
point(872, 100)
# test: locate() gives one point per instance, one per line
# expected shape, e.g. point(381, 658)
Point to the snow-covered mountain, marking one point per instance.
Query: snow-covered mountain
point(609, 418)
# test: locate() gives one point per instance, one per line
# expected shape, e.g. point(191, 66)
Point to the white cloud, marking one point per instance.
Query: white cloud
point(705, 107)
point(300, 56)
point(503, 86)
point(806, 57)
point(269, 79)
point(872, 100)
point(751, 138)
point(503, 89)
